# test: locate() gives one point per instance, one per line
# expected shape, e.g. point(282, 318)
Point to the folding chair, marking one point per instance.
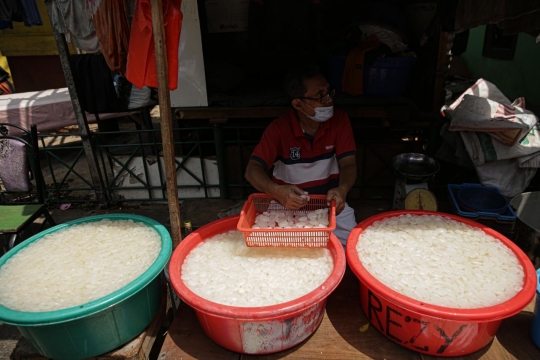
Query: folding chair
point(22, 188)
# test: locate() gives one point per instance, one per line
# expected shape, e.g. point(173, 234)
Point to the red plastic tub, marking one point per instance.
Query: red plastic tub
point(255, 330)
point(431, 329)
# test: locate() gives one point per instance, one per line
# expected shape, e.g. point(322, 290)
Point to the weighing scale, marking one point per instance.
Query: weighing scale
point(413, 171)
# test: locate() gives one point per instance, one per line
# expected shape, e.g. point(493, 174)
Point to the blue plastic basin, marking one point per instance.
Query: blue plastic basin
point(388, 76)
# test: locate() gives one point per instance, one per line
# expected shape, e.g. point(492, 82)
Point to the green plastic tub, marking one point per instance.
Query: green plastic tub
point(101, 325)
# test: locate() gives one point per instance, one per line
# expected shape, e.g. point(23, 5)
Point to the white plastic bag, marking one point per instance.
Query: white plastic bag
point(501, 138)
point(507, 124)
point(140, 97)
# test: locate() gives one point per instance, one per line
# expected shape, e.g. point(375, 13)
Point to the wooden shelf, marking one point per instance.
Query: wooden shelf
point(224, 113)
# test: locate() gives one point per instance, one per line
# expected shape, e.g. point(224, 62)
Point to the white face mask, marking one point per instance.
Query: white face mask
point(321, 113)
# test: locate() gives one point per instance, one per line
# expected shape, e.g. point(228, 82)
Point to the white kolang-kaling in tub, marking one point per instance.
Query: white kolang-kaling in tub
point(224, 270)
point(289, 219)
point(440, 261)
point(76, 265)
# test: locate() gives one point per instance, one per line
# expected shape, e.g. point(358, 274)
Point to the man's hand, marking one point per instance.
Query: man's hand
point(339, 195)
point(290, 196)
point(347, 177)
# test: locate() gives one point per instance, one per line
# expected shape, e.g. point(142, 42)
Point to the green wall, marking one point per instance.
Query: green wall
point(518, 77)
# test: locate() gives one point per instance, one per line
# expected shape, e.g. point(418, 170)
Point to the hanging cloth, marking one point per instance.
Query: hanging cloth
point(11, 10)
point(93, 5)
point(353, 74)
point(141, 61)
point(5, 25)
point(112, 29)
point(19, 10)
point(74, 19)
point(31, 15)
point(94, 84)
point(5, 86)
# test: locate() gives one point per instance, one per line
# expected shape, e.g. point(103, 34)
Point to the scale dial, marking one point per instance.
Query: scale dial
point(420, 199)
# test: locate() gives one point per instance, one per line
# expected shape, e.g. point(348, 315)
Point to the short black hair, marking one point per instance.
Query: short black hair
point(294, 80)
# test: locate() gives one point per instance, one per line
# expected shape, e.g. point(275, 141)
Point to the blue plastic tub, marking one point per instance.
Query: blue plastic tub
point(101, 325)
point(535, 328)
point(503, 220)
point(482, 199)
point(388, 76)
point(453, 190)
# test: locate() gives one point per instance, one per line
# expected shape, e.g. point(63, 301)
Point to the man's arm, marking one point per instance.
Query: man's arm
point(347, 177)
point(287, 195)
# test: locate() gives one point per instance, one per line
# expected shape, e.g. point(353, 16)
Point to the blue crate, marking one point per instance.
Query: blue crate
point(484, 199)
point(502, 222)
point(453, 190)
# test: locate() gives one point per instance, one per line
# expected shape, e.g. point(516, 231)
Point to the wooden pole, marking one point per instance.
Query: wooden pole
point(443, 56)
point(166, 119)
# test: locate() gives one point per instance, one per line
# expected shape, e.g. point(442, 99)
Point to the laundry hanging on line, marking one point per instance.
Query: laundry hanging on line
point(94, 84)
point(112, 29)
point(73, 18)
point(141, 62)
point(25, 11)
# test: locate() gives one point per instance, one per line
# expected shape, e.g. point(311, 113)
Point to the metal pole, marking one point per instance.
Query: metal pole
point(166, 120)
point(86, 135)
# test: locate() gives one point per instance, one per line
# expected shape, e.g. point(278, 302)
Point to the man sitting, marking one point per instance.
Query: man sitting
point(311, 148)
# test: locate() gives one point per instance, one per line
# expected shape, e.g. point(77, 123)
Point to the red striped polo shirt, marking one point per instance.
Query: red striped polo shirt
point(312, 166)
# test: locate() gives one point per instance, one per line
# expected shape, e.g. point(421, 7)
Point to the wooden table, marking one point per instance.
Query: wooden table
point(342, 335)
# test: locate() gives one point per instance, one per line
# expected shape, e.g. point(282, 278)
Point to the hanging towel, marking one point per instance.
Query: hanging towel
point(141, 62)
point(11, 10)
point(353, 74)
point(112, 29)
point(74, 19)
point(93, 5)
point(31, 15)
point(19, 10)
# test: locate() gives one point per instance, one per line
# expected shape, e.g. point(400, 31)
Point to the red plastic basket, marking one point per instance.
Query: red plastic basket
point(306, 237)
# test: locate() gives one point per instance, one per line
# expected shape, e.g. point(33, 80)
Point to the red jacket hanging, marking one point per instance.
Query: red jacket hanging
point(141, 61)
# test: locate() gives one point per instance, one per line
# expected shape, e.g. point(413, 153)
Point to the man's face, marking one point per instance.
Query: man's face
point(317, 92)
